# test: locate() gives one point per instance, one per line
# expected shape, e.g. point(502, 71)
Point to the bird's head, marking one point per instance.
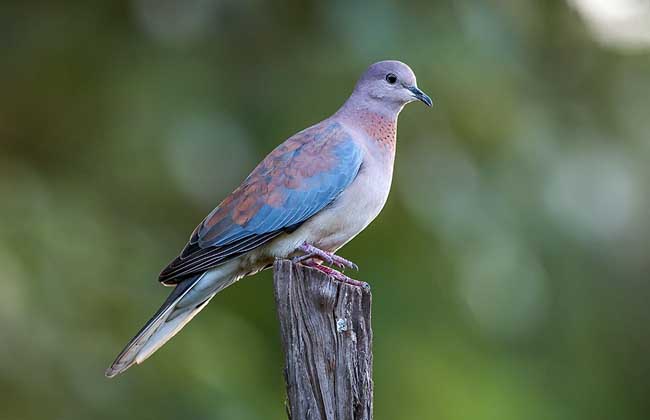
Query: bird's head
point(391, 84)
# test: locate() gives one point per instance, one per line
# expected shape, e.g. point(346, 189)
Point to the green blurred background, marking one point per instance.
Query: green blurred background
point(509, 267)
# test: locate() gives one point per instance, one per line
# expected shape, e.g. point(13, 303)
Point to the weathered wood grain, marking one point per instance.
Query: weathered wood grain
point(327, 341)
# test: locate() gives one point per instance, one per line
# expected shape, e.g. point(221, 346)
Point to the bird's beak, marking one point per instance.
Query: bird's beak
point(418, 94)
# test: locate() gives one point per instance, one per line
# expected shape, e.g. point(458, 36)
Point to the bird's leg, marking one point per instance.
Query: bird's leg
point(329, 257)
point(336, 274)
point(312, 253)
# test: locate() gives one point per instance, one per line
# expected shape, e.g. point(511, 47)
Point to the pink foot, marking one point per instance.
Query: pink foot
point(337, 275)
point(329, 257)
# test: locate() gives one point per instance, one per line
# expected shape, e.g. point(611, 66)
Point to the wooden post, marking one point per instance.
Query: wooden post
point(327, 341)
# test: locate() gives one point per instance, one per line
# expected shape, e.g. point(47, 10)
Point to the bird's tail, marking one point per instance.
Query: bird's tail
point(184, 302)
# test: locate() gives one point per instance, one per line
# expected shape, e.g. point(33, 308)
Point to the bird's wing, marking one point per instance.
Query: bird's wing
point(294, 182)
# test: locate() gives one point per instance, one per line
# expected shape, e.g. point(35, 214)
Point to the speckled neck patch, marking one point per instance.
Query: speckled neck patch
point(380, 127)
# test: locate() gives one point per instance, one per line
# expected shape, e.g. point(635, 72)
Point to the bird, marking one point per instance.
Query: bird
point(309, 196)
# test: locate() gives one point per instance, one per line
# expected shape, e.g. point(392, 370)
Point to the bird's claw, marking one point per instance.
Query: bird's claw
point(327, 257)
point(312, 254)
point(339, 276)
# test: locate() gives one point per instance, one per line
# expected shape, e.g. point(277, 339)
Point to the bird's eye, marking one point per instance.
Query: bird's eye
point(391, 78)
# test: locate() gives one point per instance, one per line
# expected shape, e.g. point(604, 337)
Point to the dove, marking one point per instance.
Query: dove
point(310, 196)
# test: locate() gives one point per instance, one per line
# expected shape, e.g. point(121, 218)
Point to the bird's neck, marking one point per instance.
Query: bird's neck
point(378, 124)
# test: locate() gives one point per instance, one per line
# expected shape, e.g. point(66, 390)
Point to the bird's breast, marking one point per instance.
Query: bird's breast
point(354, 209)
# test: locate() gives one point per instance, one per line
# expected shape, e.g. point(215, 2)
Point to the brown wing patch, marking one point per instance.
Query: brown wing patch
point(288, 166)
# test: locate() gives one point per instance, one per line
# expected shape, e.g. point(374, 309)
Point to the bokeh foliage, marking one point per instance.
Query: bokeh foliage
point(509, 268)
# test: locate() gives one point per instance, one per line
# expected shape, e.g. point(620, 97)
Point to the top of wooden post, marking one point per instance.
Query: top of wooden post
point(327, 339)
